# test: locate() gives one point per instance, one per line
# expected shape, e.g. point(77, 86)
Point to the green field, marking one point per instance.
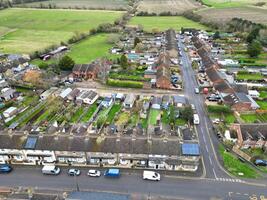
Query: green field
point(79, 4)
point(91, 48)
point(164, 23)
point(29, 30)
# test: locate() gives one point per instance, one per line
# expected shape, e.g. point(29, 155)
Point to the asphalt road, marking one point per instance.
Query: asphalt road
point(200, 189)
point(207, 139)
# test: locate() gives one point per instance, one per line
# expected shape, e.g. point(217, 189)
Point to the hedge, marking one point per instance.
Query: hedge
point(127, 84)
point(219, 109)
point(127, 77)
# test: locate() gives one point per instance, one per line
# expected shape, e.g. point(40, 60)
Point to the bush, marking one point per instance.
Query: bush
point(219, 109)
point(66, 63)
point(43, 65)
point(127, 84)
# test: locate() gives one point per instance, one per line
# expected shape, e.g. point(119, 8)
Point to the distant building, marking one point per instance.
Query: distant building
point(7, 93)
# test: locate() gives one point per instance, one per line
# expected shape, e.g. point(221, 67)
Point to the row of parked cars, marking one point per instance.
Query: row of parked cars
point(54, 170)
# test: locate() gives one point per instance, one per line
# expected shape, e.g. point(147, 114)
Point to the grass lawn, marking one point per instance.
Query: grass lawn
point(165, 119)
point(249, 118)
point(262, 104)
point(29, 30)
point(144, 123)
point(115, 108)
point(75, 117)
point(229, 118)
point(134, 119)
point(250, 77)
point(180, 122)
point(89, 113)
point(235, 166)
point(86, 51)
point(123, 118)
point(165, 22)
point(263, 94)
point(91, 48)
point(153, 115)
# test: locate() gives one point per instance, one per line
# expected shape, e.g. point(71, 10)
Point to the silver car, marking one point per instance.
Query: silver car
point(94, 173)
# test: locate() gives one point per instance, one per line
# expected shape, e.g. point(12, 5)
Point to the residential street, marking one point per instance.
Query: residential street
point(180, 188)
point(208, 142)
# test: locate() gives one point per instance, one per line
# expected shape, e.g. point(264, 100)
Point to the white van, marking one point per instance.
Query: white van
point(50, 170)
point(151, 175)
point(196, 119)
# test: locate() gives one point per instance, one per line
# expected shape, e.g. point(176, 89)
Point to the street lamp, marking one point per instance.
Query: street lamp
point(76, 182)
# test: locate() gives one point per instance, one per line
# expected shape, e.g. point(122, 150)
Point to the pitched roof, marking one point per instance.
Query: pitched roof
point(213, 74)
point(254, 131)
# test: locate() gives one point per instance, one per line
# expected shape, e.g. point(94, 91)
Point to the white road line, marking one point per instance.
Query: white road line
point(210, 160)
point(207, 149)
point(214, 173)
point(204, 139)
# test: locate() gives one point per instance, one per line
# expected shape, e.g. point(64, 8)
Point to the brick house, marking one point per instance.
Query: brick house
point(240, 102)
point(91, 71)
point(251, 135)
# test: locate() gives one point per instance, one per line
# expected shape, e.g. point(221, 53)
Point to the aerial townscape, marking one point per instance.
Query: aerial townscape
point(133, 99)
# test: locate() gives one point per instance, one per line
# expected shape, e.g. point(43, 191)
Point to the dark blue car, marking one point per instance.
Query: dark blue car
point(5, 168)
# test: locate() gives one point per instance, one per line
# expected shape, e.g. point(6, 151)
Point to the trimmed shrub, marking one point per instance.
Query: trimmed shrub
point(219, 109)
point(127, 84)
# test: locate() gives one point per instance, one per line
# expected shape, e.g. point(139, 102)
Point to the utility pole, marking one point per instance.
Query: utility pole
point(76, 183)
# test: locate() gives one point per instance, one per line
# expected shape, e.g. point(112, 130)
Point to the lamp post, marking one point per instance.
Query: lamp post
point(76, 182)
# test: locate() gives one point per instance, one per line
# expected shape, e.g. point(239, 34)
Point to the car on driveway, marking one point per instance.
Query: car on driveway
point(151, 175)
point(5, 168)
point(74, 172)
point(94, 173)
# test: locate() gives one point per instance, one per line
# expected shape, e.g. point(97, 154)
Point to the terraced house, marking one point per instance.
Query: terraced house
point(99, 151)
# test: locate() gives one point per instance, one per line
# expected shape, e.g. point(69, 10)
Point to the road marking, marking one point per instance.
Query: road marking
point(207, 148)
point(210, 160)
point(214, 173)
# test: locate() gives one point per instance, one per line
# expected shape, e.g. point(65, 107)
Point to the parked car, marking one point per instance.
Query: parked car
point(151, 175)
point(197, 90)
point(115, 173)
point(193, 107)
point(50, 170)
point(94, 173)
point(260, 162)
point(74, 172)
point(5, 168)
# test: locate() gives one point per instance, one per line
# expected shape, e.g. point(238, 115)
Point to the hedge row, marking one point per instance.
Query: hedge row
point(219, 109)
point(127, 84)
point(127, 77)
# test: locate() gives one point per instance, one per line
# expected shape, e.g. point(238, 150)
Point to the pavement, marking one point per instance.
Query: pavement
point(192, 188)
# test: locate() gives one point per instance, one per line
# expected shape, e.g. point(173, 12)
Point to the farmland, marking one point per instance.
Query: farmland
point(233, 3)
point(173, 6)
point(79, 4)
point(163, 23)
point(219, 15)
point(29, 30)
